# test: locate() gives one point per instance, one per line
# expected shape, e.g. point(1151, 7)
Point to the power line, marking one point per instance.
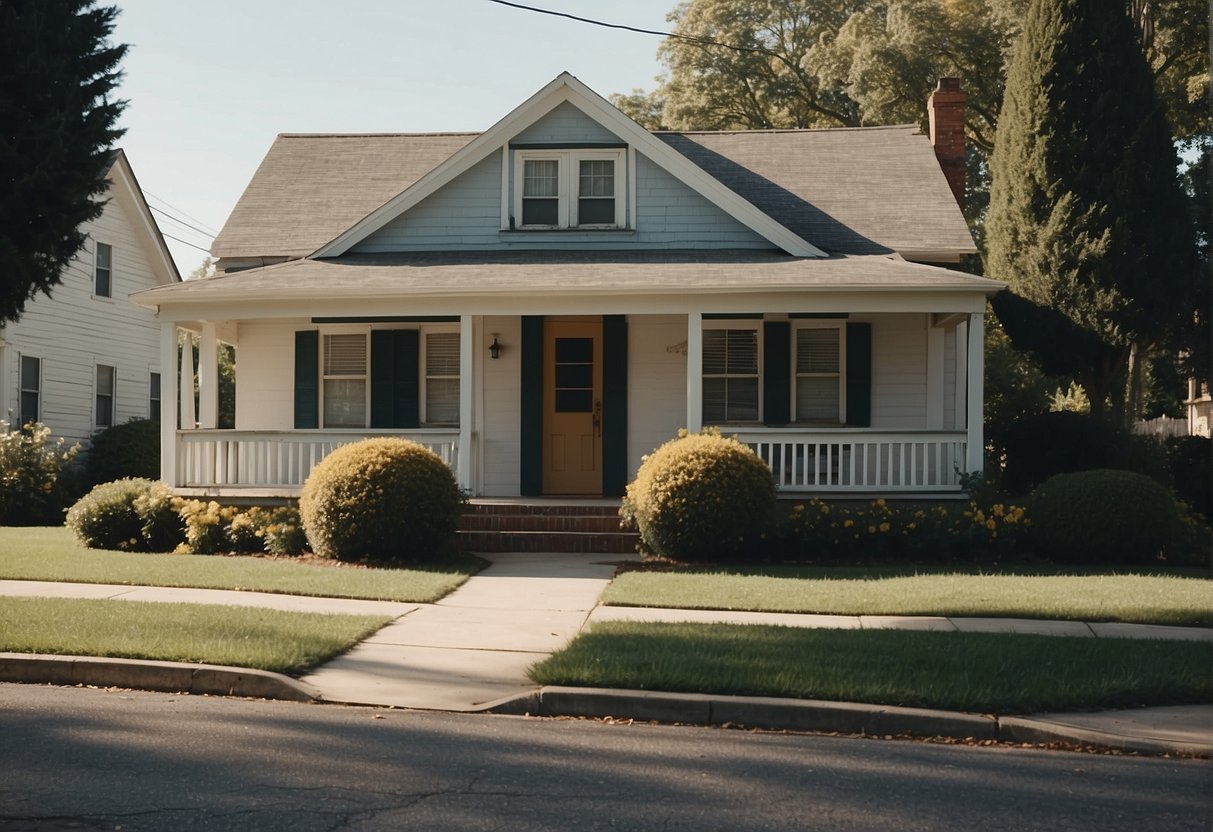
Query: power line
point(202, 231)
point(184, 242)
point(179, 211)
point(592, 22)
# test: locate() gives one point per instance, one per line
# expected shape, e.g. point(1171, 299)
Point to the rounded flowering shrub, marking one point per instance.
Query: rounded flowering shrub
point(383, 500)
point(702, 497)
point(129, 515)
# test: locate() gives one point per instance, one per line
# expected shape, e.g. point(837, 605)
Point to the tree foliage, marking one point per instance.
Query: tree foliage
point(1087, 219)
point(58, 71)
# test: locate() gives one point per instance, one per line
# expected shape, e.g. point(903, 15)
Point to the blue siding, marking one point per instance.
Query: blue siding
point(565, 124)
point(671, 215)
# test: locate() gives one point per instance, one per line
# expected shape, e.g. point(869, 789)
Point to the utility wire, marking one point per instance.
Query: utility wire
point(201, 231)
point(179, 211)
point(186, 242)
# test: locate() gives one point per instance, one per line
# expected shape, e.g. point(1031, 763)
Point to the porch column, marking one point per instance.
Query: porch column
point(189, 421)
point(463, 468)
point(208, 378)
point(168, 410)
point(976, 390)
point(694, 372)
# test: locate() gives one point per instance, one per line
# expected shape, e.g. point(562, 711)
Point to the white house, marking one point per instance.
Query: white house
point(545, 302)
point(86, 357)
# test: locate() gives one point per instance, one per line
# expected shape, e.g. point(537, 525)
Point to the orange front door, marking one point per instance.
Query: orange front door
point(572, 406)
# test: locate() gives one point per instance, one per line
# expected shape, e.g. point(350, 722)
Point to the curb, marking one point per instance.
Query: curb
point(1026, 729)
point(170, 677)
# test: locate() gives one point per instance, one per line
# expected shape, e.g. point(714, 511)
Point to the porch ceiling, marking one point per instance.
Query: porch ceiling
point(568, 275)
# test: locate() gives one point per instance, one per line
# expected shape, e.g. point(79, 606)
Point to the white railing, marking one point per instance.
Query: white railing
point(857, 459)
point(279, 459)
point(1163, 426)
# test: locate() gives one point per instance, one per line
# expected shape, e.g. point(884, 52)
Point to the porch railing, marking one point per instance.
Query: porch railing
point(853, 459)
point(279, 459)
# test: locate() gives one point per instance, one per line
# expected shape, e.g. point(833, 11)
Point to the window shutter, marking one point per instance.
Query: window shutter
point(307, 380)
point(394, 378)
point(614, 405)
point(777, 373)
point(406, 389)
point(859, 375)
point(531, 390)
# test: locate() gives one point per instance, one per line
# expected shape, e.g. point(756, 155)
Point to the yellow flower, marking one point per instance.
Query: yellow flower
point(884, 527)
point(991, 525)
point(871, 530)
point(846, 524)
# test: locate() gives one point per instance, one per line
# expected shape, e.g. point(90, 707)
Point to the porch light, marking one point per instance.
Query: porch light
point(495, 348)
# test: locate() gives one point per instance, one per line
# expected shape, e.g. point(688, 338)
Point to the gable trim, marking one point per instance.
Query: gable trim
point(120, 172)
point(566, 88)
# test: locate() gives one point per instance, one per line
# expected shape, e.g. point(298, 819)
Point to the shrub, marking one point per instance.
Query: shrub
point(284, 532)
point(702, 497)
point(245, 530)
point(129, 515)
point(384, 500)
point(205, 526)
point(127, 450)
point(1192, 472)
point(1104, 516)
point(31, 492)
point(1041, 446)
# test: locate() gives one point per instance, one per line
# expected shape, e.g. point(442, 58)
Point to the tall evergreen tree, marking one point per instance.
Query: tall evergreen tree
point(1087, 217)
point(58, 71)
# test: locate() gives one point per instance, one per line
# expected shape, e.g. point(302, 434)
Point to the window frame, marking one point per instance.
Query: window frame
point(756, 326)
point(423, 374)
point(112, 395)
point(568, 185)
point(22, 389)
point(841, 327)
point(154, 395)
point(323, 377)
point(108, 269)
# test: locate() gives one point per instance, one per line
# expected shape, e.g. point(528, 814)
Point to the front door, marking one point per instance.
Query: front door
point(572, 406)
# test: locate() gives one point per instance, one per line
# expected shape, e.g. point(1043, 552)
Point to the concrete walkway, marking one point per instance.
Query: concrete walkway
point(473, 648)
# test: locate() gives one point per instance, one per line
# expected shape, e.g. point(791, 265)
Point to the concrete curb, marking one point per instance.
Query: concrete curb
point(172, 677)
point(1026, 729)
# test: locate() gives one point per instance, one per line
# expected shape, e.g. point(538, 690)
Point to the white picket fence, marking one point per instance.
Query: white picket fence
point(1164, 427)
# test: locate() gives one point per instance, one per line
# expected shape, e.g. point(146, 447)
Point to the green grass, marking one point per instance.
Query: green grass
point(1003, 674)
point(284, 642)
point(53, 554)
point(1174, 599)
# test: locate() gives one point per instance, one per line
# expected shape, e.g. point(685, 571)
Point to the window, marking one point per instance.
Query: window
point(103, 271)
point(31, 389)
point(344, 381)
point(153, 397)
point(819, 373)
point(442, 378)
point(730, 374)
point(105, 396)
point(569, 189)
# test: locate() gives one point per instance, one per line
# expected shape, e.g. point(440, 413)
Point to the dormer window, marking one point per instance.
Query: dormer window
point(569, 189)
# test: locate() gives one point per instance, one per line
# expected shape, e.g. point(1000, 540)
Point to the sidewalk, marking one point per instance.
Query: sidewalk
point(470, 652)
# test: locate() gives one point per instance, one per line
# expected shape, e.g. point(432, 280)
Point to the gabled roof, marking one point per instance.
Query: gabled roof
point(125, 187)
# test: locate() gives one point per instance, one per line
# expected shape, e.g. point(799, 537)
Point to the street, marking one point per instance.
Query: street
point(86, 759)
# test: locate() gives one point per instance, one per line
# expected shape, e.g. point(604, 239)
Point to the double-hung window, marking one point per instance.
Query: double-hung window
point(104, 414)
point(819, 364)
point(731, 380)
point(31, 389)
point(103, 271)
point(153, 396)
point(569, 189)
point(344, 380)
point(441, 386)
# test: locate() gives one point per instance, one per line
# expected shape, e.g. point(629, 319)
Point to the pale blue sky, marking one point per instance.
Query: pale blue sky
point(211, 82)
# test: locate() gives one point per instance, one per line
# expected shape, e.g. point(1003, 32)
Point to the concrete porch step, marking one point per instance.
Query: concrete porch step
point(618, 542)
point(543, 507)
point(589, 524)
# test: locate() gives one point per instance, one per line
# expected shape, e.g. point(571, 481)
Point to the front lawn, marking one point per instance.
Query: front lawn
point(979, 673)
point(1177, 598)
point(284, 642)
point(53, 554)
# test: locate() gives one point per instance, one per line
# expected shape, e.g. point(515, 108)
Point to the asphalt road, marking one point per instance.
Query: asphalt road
point(84, 759)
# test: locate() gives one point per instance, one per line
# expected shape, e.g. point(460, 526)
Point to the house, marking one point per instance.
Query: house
point(545, 302)
point(86, 358)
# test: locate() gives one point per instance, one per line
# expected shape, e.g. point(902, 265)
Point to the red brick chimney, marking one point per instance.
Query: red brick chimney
point(946, 111)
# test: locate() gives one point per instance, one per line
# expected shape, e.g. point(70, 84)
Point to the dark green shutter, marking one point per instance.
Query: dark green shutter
point(614, 405)
point(859, 375)
point(531, 412)
point(395, 378)
point(777, 373)
point(307, 379)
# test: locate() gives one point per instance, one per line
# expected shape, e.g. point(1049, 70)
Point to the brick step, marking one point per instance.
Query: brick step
point(543, 509)
point(597, 524)
point(621, 543)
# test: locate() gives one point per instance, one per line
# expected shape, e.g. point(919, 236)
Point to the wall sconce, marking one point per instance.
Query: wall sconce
point(495, 348)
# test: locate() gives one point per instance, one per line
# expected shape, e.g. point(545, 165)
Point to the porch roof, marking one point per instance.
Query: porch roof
point(564, 273)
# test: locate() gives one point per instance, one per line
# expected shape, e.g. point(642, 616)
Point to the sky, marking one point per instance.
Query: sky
point(210, 83)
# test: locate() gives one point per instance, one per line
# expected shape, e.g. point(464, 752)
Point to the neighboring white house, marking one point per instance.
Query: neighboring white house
point(545, 302)
point(86, 357)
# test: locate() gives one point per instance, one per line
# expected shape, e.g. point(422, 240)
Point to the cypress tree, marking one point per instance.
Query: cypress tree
point(1087, 217)
point(57, 73)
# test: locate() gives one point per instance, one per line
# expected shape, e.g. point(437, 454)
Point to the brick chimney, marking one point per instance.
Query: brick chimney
point(946, 111)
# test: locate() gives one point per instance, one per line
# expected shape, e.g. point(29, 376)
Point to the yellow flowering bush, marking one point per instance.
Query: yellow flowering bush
point(127, 515)
point(702, 497)
point(383, 500)
point(31, 468)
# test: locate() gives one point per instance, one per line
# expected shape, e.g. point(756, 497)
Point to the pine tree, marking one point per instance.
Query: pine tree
point(1087, 217)
point(58, 71)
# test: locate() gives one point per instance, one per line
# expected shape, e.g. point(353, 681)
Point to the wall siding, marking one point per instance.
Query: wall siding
point(72, 332)
point(501, 408)
point(565, 123)
point(949, 380)
point(265, 380)
point(899, 370)
point(671, 215)
point(657, 383)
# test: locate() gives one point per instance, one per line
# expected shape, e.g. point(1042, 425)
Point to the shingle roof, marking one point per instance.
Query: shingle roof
point(310, 188)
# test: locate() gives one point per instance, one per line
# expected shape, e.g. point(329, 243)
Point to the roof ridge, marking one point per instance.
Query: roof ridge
point(783, 130)
point(375, 135)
